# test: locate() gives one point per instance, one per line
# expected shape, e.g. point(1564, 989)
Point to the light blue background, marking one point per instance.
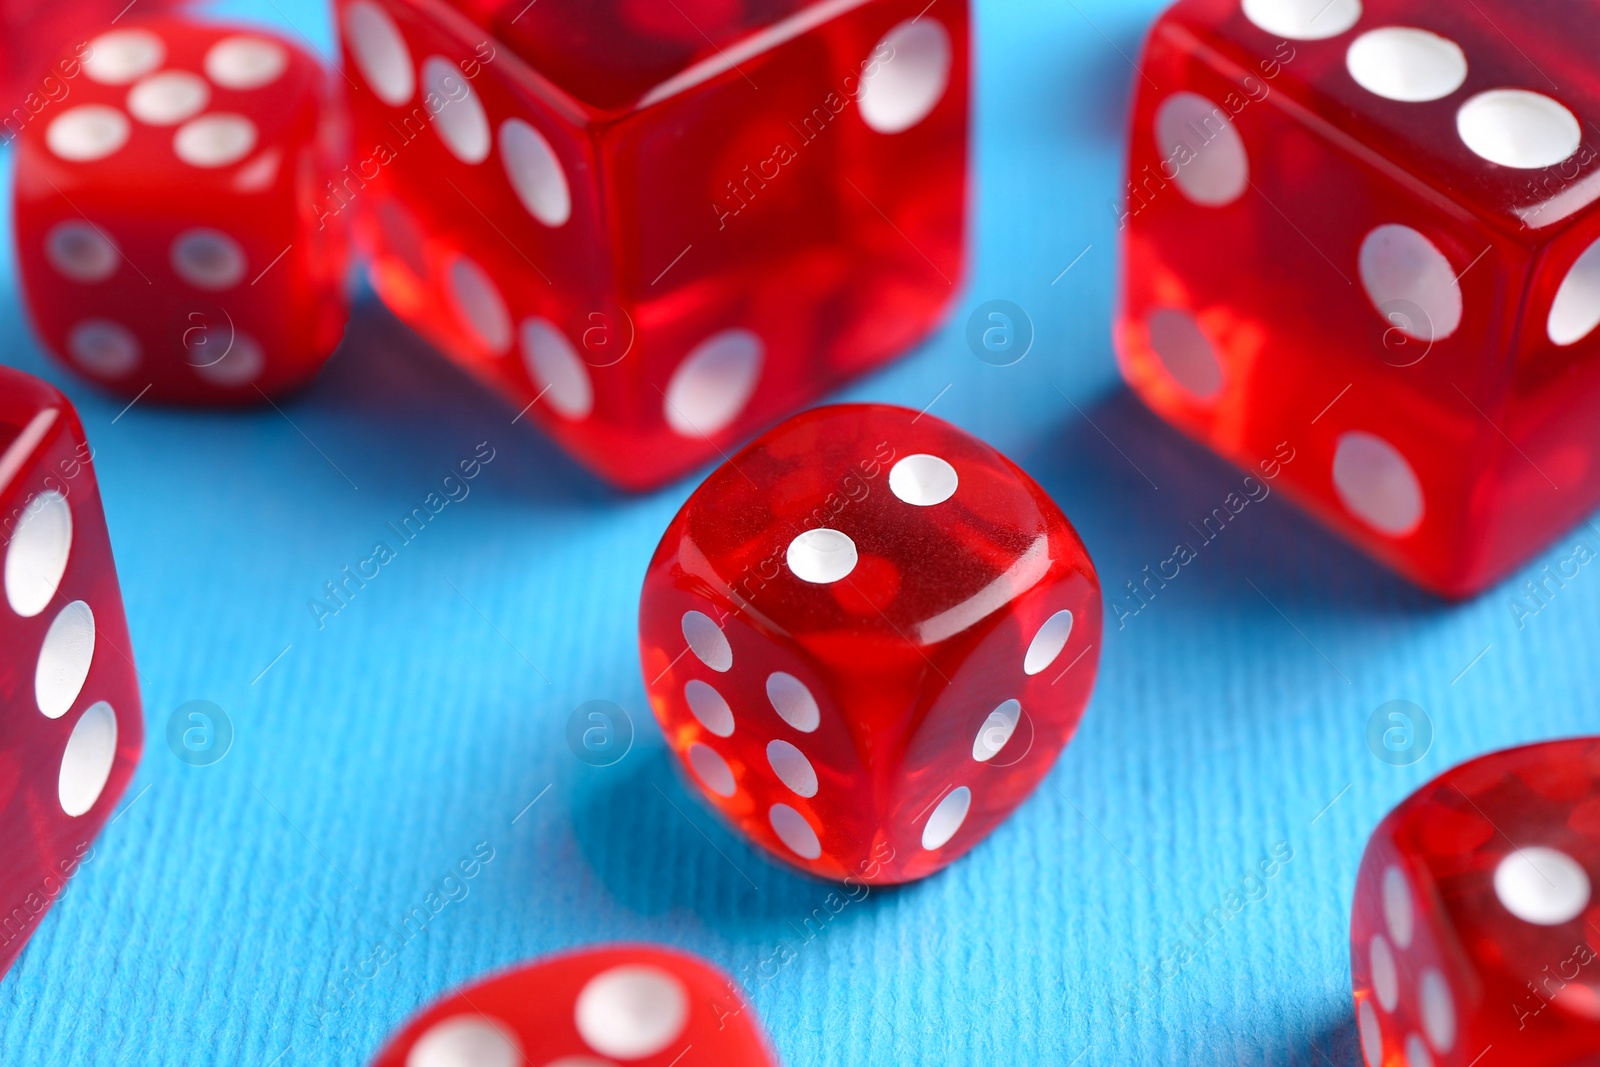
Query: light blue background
point(225, 902)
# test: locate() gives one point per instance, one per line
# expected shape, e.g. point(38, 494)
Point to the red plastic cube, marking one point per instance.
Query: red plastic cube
point(650, 238)
point(32, 33)
point(867, 636)
point(165, 222)
point(634, 1004)
point(1475, 925)
point(70, 724)
point(1368, 229)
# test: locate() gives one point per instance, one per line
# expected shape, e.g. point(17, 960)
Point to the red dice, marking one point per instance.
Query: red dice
point(165, 221)
point(1369, 229)
point(1475, 922)
point(650, 238)
point(645, 1006)
point(31, 33)
point(867, 636)
point(70, 725)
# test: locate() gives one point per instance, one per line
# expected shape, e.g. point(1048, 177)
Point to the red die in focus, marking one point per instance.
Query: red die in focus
point(649, 1007)
point(1475, 923)
point(70, 725)
point(166, 214)
point(657, 228)
point(1369, 229)
point(868, 635)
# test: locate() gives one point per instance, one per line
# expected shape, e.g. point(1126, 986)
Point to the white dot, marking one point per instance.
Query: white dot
point(1304, 20)
point(37, 554)
point(240, 364)
point(121, 56)
point(64, 660)
point(946, 818)
point(923, 480)
point(1385, 979)
point(633, 1011)
point(793, 830)
point(1410, 282)
point(1520, 129)
point(556, 370)
point(793, 701)
point(708, 706)
point(909, 84)
point(792, 768)
point(713, 383)
point(466, 1041)
point(169, 97)
point(244, 62)
point(81, 252)
point(1543, 886)
point(1376, 483)
point(462, 125)
point(1048, 642)
point(1186, 352)
point(535, 173)
point(574, 1061)
point(1399, 63)
point(1438, 1011)
point(1199, 137)
point(214, 140)
point(103, 347)
point(1371, 1035)
point(1398, 915)
point(1417, 1053)
point(712, 770)
point(87, 133)
point(996, 731)
point(707, 641)
point(208, 259)
point(86, 763)
point(821, 556)
point(380, 52)
point(479, 306)
point(1576, 311)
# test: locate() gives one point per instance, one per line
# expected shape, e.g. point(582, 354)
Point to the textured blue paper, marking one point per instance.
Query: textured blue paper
point(228, 907)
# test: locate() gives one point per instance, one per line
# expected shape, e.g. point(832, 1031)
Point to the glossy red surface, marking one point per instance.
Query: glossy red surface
point(1475, 923)
point(864, 685)
point(70, 724)
point(638, 1004)
point(32, 34)
point(167, 221)
point(652, 243)
point(611, 53)
point(1346, 228)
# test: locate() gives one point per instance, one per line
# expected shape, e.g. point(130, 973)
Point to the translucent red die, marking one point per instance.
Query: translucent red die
point(635, 1004)
point(1475, 923)
point(31, 35)
point(1369, 228)
point(70, 724)
point(867, 636)
point(657, 227)
point(165, 214)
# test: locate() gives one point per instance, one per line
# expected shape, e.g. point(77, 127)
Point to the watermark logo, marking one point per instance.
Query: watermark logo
point(599, 733)
point(607, 337)
point(207, 336)
point(1409, 335)
point(1399, 733)
point(1000, 333)
point(1009, 745)
point(199, 733)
